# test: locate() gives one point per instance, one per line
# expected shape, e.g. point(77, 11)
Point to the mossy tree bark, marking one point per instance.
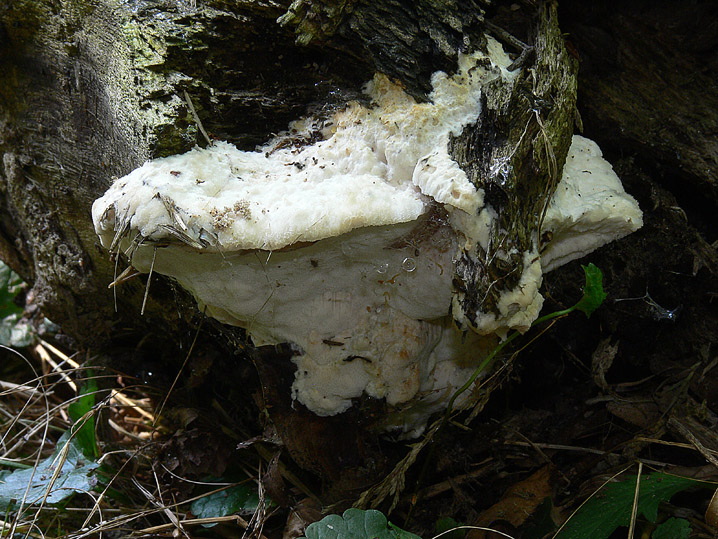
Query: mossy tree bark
point(89, 89)
point(92, 88)
point(647, 88)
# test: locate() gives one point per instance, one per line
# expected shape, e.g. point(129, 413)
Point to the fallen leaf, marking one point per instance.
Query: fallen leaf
point(518, 503)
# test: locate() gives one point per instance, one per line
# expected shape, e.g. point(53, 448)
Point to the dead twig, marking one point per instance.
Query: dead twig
point(688, 435)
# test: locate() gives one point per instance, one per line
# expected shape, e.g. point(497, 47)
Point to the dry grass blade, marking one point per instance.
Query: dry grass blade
point(44, 355)
point(64, 357)
point(591, 450)
point(96, 507)
point(33, 422)
point(125, 519)
point(149, 280)
point(127, 274)
point(634, 509)
point(34, 406)
point(10, 388)
point(479, 528)
point(174, 213)
point(120, 233)
point(486, 468)
point(25, 438)
point(129, 434)
point(179, 373)
point(184, 238)
point(190, 105)
point(393, 484)
point(708, 454)
point(5, 527)
point(58, 465)
point(44, 426)
point(137, 406)
point(196, 522)
point(256, 523)
point(110, 524)
point(174, 520)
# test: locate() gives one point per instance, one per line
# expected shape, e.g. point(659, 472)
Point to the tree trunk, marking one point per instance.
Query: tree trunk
point(93, 88)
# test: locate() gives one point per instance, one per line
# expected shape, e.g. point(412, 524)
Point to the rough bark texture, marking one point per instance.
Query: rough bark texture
point(648, 87)
point(407, 41)
point(89, 89)
point(93, 88)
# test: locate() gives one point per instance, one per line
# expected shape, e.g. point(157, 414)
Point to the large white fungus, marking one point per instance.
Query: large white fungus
point(345, 247)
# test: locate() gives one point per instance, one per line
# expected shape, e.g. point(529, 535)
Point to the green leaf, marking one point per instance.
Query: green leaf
point(593, 294)
point(445, 525)
point(13, 330)
point(356, 524)
point(611, 508)
point(242, 499)
point(673, 528)
point(75, 476)
point(84, 428)
point(402, 534)
point(9, 288)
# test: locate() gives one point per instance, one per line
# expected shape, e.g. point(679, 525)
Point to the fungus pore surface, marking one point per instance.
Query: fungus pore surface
point(339, 237)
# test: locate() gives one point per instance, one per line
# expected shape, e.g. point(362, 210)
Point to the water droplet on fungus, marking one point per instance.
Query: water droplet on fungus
point(409, 264)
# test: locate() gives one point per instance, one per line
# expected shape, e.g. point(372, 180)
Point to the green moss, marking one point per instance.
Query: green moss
point(316, 20)
point(155, 86)
point(23, 19)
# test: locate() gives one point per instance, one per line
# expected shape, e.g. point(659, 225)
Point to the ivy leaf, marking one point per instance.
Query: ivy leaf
point(593, 294)
point(611, 508)
point(75, 475)
point(242, 499)
point(356, 524)
point(10, 285)
point(14, 331)
point(673, 528)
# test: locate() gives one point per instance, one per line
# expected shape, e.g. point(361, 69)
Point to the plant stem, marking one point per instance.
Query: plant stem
point(490, 358)
point(486, 363)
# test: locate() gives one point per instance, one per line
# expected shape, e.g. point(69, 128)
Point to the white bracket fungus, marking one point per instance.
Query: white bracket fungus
point(345, 247)
point(589, 207)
